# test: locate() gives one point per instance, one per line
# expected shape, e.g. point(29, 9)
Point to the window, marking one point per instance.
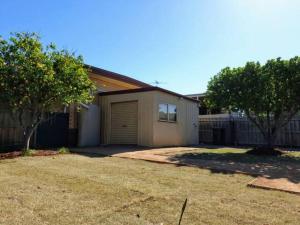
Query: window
point(163, 112)
point(172, 113)
point(167, 112)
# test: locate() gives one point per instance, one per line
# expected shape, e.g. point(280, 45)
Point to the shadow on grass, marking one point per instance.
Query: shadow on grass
point(273, 167)
point(91, 154)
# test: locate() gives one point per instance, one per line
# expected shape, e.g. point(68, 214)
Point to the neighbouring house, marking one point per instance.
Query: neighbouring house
point(128, 111)
point(203, 109)
point(198, 96)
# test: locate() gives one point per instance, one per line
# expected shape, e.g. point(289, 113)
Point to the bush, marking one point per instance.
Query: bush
point(28, 152)
point(63, 150)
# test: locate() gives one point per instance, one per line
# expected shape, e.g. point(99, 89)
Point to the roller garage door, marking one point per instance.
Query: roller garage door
point(124, 122)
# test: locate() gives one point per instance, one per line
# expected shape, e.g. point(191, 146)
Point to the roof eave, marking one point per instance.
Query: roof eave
point(152, 88)
point(116, 76)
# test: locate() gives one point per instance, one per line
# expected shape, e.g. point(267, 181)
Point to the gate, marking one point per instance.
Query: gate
point(54, 132)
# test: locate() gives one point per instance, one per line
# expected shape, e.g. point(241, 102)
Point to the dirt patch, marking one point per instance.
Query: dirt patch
point(15, 154)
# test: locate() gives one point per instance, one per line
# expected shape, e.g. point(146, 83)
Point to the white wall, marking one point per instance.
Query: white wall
point(89, 126)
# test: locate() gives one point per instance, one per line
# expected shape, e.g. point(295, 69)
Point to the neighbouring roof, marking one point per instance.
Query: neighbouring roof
point(145, 89)
point(198, 95)
point(116, 76)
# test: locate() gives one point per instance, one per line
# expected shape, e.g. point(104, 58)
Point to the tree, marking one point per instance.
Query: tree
point(269, 94)
point(36, 81)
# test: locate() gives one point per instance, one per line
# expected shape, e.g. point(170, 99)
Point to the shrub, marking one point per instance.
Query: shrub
point(28, 152)
point(63, 150)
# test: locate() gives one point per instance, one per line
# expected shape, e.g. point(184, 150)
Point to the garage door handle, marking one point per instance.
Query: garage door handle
point(124, 125)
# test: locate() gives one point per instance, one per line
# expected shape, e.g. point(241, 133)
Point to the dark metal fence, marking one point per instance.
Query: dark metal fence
point(51, 133)
point(11, 133)
point(240, 131)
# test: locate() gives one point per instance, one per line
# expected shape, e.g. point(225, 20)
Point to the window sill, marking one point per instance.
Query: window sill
point(166, 121)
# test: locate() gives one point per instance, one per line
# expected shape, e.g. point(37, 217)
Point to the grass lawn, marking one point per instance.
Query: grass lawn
point(73, 189)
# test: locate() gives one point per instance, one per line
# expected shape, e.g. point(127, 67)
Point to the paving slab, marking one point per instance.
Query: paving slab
point(280, 184)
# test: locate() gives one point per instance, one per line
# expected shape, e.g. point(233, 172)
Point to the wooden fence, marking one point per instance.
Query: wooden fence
point(10, 132)
point(240, 131)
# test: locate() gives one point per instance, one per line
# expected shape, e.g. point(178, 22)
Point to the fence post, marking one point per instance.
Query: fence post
point(232, 132)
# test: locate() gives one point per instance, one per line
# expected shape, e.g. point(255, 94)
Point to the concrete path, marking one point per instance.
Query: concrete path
point(267, 176)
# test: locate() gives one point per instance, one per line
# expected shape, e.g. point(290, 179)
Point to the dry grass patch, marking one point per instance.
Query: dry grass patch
point(72, 189)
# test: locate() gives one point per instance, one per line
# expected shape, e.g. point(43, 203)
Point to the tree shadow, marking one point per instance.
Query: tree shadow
point(213, 146)
point(106, 150)
point(272, 167)
point(90, 154)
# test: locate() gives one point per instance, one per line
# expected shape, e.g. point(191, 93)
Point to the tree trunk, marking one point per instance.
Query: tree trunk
point(28, 134)
point(270, 141)
point(29, 128)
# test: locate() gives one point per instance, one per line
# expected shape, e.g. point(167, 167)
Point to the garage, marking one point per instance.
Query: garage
point(152, 117)
point(124, 120)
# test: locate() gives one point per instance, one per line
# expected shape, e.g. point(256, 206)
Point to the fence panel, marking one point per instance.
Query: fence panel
point(241, 131)
point(212, 130)
point(247, 133)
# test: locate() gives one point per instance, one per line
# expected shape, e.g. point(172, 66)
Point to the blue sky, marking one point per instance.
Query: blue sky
point(181, 43)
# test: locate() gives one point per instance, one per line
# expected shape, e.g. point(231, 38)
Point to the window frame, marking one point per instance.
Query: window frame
point(168, 115)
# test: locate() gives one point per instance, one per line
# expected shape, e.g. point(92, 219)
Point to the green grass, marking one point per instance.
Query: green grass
point(72, 189)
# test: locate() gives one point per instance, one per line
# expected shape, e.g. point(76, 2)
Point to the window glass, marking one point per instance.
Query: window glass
point(163, 112)
point(172, 110)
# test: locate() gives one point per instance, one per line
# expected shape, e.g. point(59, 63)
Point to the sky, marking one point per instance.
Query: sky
point(180, 43)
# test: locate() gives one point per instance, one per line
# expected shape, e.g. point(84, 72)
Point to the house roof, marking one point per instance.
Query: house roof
point(145, 89)
point(116, 76)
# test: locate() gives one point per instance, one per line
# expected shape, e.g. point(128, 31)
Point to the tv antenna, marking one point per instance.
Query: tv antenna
point(157, 83)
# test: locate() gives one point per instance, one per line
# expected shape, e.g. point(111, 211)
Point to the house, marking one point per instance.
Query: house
point(128, 111)
point(124, 111)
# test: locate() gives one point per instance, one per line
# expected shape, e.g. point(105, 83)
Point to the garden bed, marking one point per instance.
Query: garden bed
point(15, 154)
